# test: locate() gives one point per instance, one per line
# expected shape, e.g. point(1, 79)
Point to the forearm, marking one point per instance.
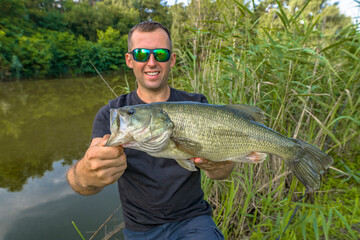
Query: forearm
point(77, 186)
point(221, 173)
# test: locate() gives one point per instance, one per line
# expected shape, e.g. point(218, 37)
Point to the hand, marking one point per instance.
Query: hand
point(99, 167)
point(214, 170)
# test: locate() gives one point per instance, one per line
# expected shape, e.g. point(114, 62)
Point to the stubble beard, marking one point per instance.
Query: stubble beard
point(158, 87)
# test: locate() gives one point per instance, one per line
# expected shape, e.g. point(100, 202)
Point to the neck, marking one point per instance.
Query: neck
point(149, 96)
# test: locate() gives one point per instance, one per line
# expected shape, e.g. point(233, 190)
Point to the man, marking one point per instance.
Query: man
point(160, 199)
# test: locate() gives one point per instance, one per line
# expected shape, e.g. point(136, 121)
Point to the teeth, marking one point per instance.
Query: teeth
point(152, 73)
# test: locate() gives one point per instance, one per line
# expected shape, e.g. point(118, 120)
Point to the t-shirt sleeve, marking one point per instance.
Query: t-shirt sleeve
point(203, 99)
point(101, 124)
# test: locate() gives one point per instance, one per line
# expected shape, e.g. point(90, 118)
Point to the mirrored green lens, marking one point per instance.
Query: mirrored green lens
point(161, 55)
point(141, 54)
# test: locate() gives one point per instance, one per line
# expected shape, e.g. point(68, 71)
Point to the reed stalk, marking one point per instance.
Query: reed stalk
point(308, 86)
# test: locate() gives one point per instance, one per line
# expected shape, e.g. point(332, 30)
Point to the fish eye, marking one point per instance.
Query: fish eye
point(131, 111)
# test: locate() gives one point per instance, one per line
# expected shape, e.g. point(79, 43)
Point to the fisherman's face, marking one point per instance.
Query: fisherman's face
point(150, 75)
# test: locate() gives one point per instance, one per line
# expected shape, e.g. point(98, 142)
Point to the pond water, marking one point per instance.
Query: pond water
point(45, 126)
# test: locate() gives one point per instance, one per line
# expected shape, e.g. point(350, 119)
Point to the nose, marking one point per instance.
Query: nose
point(152, 61)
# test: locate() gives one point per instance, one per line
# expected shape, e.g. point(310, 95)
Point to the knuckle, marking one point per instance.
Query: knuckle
point(91, 154)
point(114, 152)
point(110, 180)
point(123, 157)
point(120, 151)
point(117, 152)
point(94, 166)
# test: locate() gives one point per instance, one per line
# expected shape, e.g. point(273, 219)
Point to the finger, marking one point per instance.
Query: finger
point(204, 166)
point(210, 165)
point(109, 153)
point(117, 169)
point(106, 169)
point(115, 152)
point(118, 162)
point(118, 174)
point(112, 163)
point(104, 141)
point(97, 154)
point(113, 171)
point(109, 176)
point(198, 160)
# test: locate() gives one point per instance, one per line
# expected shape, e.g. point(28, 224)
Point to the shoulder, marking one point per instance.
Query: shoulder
point(123, 100)
point(127, 99)
point(120, 101)
point(178, 95)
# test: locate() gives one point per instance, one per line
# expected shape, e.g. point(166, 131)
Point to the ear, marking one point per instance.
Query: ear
point(173, 59)
point(128, 59)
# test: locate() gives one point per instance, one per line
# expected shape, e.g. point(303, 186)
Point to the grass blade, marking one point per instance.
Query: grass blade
point(345, 223)
point(73, 223)
point(315, 226)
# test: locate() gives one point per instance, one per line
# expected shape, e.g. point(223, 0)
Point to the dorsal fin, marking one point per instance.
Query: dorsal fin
point(256, 113)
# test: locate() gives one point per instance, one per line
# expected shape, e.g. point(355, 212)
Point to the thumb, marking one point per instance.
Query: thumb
point(104, 139)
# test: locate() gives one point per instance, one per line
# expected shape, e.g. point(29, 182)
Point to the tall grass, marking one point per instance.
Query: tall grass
point(308, 86)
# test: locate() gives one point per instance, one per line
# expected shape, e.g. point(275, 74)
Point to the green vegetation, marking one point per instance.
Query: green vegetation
point(48, 38)
point(303, 70)
point(78, 231)
point(299, 61)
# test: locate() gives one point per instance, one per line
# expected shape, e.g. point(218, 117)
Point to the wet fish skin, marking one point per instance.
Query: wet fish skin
point(181, 130)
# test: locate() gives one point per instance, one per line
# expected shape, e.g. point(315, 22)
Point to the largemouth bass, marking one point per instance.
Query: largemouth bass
point(182, 130)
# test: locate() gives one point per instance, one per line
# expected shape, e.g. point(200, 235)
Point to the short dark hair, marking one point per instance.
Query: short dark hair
point(148, 26)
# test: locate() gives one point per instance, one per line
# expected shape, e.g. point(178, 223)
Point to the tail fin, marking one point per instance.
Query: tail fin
point(309, 164)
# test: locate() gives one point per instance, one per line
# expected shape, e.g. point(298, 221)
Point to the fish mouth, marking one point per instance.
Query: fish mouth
point(141, 132)
point(123, 132)
point(113, 141)
point(118, 128)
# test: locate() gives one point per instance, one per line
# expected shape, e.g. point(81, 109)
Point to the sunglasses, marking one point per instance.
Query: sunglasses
point(143, 54)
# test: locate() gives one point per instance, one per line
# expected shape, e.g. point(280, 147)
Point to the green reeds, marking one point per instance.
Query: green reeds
point(308, 85)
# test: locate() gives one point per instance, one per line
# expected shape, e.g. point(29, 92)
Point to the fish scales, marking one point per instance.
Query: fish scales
point(231, 127)
point(181, 130)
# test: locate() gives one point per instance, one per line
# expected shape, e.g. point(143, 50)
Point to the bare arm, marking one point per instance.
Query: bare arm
point(215, 170)
point(100, 166)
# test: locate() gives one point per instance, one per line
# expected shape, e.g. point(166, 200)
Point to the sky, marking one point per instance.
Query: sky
point(347, 7)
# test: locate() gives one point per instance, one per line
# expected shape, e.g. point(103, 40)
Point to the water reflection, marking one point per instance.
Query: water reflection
point(45, 121)
point(45, 126)
point(47, 206)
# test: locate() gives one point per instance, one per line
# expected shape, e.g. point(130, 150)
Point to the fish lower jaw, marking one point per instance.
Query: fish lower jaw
point(128, 145)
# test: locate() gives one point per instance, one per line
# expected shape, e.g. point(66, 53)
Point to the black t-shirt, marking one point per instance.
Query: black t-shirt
point(154, 191)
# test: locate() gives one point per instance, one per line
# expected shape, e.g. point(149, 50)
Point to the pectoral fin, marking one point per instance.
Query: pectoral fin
point(256, 157)
point(187, 145)
point(187, 164)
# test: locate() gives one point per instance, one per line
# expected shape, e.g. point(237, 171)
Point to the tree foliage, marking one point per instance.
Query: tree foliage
point(52, 38)
point(48, 38)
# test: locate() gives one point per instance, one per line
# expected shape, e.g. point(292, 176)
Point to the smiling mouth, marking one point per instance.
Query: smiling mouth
point(152, 73)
